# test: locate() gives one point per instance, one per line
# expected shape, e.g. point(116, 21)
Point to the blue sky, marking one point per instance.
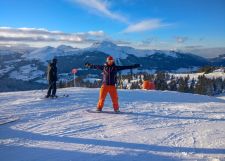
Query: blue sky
point(150, 24)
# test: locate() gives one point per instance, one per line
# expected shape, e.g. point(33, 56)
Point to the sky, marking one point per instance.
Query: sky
point(191, 25)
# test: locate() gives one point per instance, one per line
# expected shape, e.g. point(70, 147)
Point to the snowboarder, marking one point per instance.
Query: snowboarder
point(109, 81)
point(52, 78)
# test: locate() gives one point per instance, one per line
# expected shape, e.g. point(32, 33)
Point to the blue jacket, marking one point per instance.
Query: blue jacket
point(110, 72)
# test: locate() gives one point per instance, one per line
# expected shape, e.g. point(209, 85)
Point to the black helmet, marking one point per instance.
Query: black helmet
point(54, 60)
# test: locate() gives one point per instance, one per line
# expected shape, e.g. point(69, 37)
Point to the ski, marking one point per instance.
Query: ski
point(4, 121)
point(55, 97)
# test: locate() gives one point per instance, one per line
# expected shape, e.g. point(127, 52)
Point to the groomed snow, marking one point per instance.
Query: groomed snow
point(155, 125)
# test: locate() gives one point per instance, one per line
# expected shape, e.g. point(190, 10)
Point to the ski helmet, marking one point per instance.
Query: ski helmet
point(54, 60)
point(109, 58)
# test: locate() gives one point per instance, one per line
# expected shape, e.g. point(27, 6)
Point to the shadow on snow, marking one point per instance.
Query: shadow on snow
point(9, 133)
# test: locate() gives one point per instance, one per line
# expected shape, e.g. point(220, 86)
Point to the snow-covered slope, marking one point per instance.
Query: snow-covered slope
point(155, 125)
point(26, 73)
point(22, 49)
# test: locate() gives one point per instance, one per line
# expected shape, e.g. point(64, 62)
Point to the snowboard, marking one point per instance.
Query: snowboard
point(105, 112)
point(55, 97)
point(8, 120)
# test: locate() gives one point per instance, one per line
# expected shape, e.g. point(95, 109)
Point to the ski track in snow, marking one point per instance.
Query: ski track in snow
point(155, 125)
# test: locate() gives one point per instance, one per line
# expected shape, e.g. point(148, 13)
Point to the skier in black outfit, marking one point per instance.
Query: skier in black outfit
point(52, 78)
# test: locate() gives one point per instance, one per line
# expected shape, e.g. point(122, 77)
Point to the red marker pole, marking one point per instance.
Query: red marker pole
point(74, 83)
point(74, 71)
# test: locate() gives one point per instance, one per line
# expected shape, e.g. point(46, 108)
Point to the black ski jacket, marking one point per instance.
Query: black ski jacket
point(52, 72)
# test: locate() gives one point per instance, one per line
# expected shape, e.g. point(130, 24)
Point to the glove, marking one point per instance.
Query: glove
point(87, 64)
point(136, 65)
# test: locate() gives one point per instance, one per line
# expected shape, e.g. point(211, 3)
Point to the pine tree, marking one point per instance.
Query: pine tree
point(223, 86)
point(172, 85)
point(160, 81)
point(218, 85)
point(209, 87)
point(192, 86)
point(183, 85)
point(204, 86)
point(200, 85)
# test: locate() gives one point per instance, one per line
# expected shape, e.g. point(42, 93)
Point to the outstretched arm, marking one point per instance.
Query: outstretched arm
point(92, 66)
point(128, 67)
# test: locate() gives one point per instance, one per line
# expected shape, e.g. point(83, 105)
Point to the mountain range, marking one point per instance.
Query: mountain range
point(27, 65)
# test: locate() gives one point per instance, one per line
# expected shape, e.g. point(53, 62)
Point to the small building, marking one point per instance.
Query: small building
point(148, 85)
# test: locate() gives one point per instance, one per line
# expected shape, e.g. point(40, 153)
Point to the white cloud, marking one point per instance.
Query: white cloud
point(150, 24)
point(8, 34)
point(99, 33)
point(205, 51)
point(102, 7)
point(181, 39)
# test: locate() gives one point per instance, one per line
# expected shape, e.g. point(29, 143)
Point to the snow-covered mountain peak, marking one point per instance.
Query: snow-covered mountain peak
point(170, 53)
point(66, 48)
point(118, 52)
point(43, 54)
point(104, 44)
point(46, 49)
point(222, 56)
point(109, 48)
point(47, 53)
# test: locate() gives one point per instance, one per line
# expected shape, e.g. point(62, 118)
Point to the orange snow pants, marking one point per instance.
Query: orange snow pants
point(105, 89)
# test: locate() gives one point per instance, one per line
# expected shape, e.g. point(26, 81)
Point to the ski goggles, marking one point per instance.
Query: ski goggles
point(110, 61)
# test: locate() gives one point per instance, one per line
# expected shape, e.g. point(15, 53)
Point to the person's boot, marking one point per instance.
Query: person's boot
point(98, 110)
point(54, 96)
point(117, 111)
